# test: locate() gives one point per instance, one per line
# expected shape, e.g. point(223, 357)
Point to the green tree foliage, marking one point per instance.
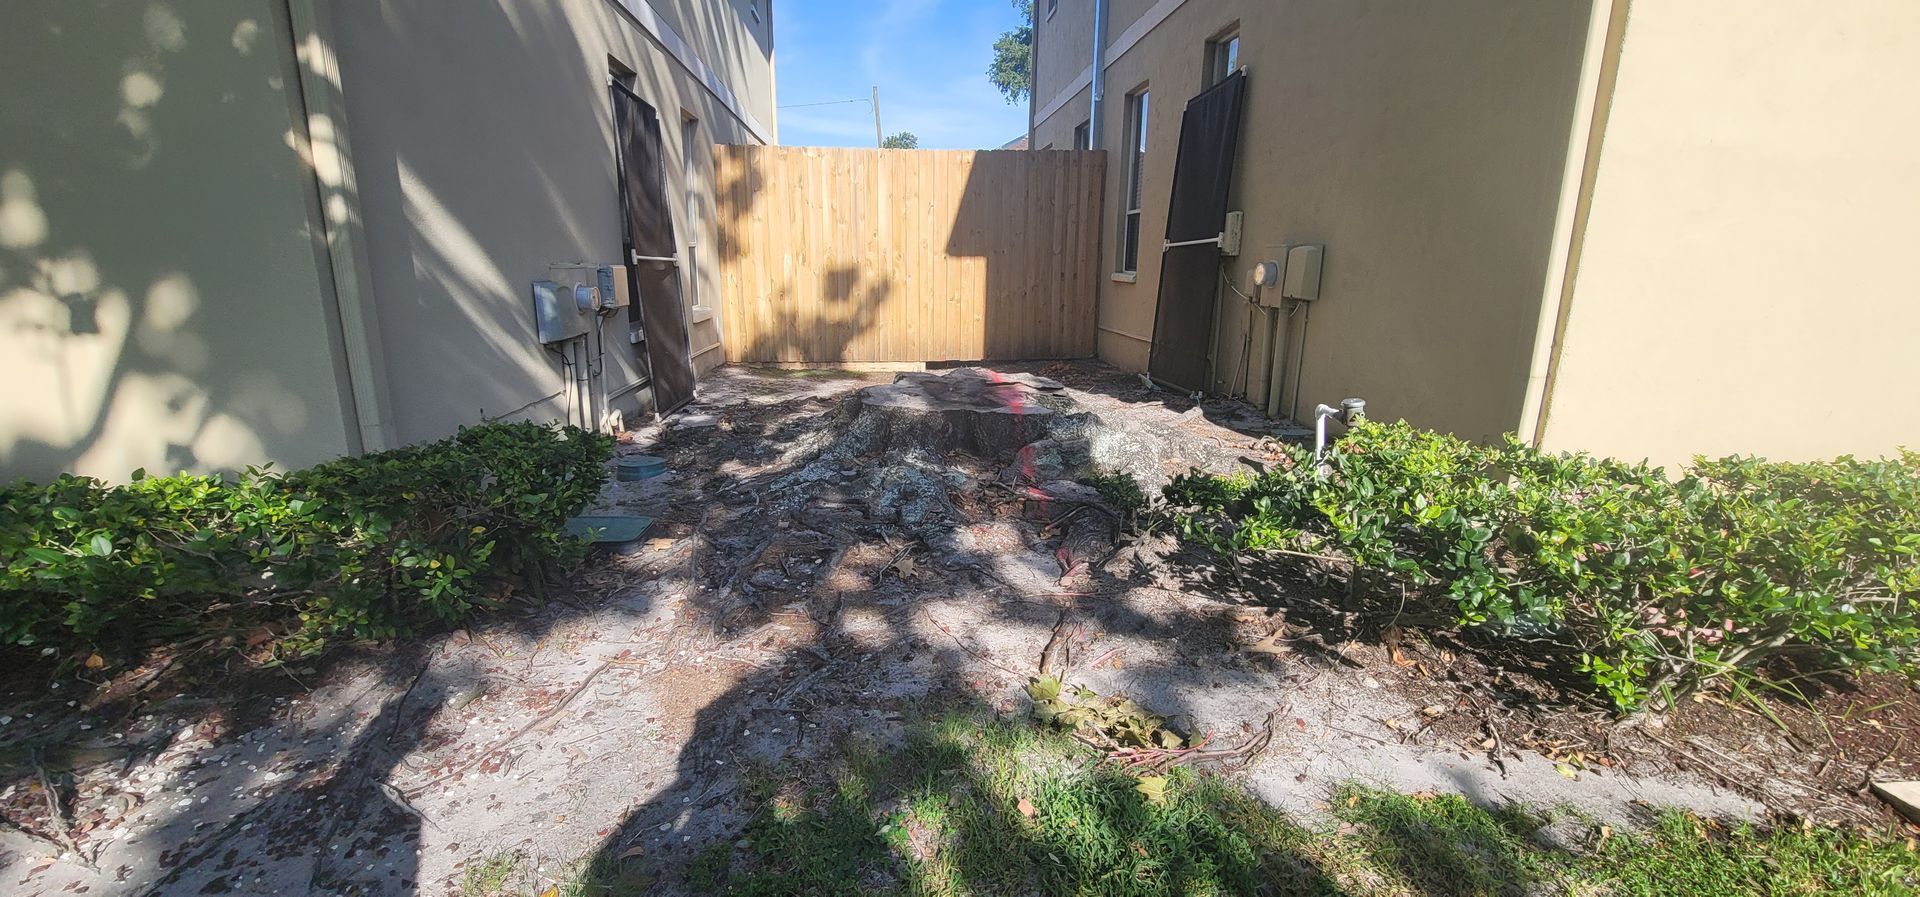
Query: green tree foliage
point(1012, 68)
point(376, 546)
point(1651, 586)
point(902, 140)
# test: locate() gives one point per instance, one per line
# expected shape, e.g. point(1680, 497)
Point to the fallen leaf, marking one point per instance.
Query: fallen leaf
point(657, 544)
point(905, 567)
point(1153, 788)
point(551, 891)
point(1606, 831)
point(1268, 645)
point(631, 852)
point(1027, 809)
point(95, 661)
point(1043, 688)
point(1566, 771)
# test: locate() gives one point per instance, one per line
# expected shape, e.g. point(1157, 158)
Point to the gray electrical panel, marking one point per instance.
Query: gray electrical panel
point(1301, 279)
point(556, 315)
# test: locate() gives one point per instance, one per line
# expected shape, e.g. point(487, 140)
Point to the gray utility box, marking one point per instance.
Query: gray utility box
point(556, 314)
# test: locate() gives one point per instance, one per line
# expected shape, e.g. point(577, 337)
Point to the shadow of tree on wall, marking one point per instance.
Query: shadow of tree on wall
point(854, 301)
point(165, 296)
point(131, 339)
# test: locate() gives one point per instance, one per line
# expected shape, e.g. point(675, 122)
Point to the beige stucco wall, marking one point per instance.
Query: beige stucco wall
point(483, 146)
point(1745, 284)
point(1063, 48)
point(1422, 143)
point(162, 303)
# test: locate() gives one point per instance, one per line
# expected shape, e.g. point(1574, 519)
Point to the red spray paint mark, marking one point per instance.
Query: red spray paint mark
point(1014, 399)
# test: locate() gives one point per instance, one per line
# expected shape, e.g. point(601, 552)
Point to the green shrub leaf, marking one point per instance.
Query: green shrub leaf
point(352, 548)
point(1649, 584)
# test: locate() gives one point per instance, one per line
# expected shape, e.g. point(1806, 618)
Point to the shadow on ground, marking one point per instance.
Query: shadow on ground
point(656, 713)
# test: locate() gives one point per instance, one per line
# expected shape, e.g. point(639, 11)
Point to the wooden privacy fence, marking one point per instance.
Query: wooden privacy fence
point(830, 255)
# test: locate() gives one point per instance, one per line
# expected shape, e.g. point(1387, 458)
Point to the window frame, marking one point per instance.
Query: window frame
point(1139, 108)
point(694, 210)
point(1223, 55)
point(1083, 135)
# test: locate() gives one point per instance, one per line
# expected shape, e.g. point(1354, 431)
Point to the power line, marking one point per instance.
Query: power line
point(827, 103)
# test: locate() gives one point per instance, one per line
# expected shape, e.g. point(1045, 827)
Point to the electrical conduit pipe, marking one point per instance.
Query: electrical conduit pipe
point(1349, 411)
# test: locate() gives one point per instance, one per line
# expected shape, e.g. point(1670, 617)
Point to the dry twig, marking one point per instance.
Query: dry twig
point(62, 826)
point(1154, 761)
point(539, 721)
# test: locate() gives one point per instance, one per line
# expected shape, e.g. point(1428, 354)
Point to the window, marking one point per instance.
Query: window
point(753, 6)
point(1083, 135)
point(1136, 160)
point(1223, 57)
point(1053, 6)
point(691, 149)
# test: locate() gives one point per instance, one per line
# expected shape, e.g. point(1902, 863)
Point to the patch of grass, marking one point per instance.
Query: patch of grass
point(1685, 855)
point(492, 876)
point(971, 805)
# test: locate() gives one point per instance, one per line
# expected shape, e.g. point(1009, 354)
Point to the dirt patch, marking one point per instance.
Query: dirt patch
point(819, 574)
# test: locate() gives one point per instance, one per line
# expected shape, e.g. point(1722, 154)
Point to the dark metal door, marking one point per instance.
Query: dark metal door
point(656, 318)
point(1196, 213)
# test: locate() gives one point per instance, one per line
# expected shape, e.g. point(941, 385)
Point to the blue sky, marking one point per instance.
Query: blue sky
point(929, 58)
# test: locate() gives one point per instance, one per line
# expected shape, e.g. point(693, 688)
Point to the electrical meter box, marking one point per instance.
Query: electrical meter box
point(1301, 279)
point(556, 314)
point(584, 282)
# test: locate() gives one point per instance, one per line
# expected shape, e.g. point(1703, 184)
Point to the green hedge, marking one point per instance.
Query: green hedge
point(1649, 585)
point(374, 546)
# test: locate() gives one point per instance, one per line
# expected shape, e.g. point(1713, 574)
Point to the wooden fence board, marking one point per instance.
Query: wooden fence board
point(854, 255)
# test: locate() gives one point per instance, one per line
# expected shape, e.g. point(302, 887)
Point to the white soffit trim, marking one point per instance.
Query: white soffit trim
point(1148, 21)
point(650, 21)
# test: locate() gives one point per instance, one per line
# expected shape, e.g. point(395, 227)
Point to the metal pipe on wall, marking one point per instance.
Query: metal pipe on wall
point(1300, 356)
point(1276, 359)
point(583, 383)
point(1283, 351)
point(1098, 91)
point(600, 373)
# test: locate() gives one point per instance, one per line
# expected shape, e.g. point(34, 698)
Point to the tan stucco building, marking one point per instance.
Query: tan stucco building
point(282, 230)
point(1646, 229)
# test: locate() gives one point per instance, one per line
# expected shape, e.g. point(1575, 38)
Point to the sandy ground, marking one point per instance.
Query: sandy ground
point(755, 626)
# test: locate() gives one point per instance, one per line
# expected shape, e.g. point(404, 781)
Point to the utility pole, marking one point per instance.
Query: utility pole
point(878, 141)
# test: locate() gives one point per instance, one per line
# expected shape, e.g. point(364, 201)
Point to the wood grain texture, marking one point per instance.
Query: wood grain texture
point(858, 255)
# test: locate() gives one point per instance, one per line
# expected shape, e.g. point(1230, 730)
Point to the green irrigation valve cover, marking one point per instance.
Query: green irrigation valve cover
point(609, 529)
point(638, 467)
